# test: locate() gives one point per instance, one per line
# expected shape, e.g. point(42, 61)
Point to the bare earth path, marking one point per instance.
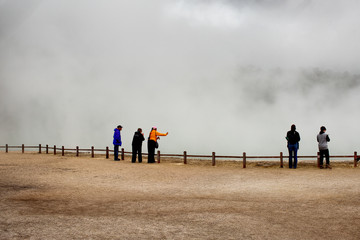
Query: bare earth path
point(53, 197)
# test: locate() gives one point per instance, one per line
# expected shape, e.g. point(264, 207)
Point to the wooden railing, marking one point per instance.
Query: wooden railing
point(185, 156)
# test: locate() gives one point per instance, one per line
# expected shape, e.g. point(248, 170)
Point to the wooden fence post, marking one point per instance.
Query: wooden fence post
point(213, 159)
point(23, 148)
point(47, 149)
point(77, 151)
point(355, 159)
point(6, 148)
point(122, 154)
point(185, 158)
point(107, 152)
point(158, 156)
point(62, 151)
point(318, 159)
point(54, 149)
point(281, 160)
point(244, 159)
point(92, 151)
point(39, 148)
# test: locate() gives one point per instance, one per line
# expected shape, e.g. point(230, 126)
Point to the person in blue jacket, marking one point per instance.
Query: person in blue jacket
point(117, 142)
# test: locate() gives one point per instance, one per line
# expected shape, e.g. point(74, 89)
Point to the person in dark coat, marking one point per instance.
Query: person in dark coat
point(117, 142)
point(137, 145)
point(293, 138)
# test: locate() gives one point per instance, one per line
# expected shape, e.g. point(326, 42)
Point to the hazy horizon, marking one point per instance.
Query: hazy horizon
point(225, 76)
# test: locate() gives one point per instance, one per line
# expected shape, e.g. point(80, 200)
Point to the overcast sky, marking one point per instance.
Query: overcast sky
point(226, 76)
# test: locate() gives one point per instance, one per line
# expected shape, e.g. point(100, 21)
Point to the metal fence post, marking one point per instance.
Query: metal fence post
point(92, 151)
point(185, 158)
point(23, 148)
point(77, 151)
point(107, 152)
point(47, 149)
point(122, 154)
point(318, 159)
point(244, 159)
point(281, 160)
point(213, 159)
point(54, 149)
point(62, 151)
point(6, 148)
point(39, 148)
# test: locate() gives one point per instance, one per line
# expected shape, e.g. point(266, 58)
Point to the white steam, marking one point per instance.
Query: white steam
point(224, 76)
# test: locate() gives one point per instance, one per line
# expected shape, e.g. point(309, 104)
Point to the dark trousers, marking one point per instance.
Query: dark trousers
point(151, 151)
point(326, 153)
point(136, 150)
point(293, 148)
point(116, 152)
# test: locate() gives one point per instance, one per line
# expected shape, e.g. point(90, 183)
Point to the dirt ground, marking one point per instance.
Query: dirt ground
point(53, 197)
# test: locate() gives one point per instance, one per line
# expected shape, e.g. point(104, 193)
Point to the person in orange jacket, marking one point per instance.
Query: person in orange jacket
point(152, 143)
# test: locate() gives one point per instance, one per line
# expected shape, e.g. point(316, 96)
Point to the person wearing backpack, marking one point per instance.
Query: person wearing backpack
point(152, 143)
point(323, 139)
point(137, 145)
point(293, 138)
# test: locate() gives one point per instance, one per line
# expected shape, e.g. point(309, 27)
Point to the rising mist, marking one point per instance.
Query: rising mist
point(224, 76)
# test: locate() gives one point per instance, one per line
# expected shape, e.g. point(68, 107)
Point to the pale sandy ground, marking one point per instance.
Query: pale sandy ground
point(53, 197)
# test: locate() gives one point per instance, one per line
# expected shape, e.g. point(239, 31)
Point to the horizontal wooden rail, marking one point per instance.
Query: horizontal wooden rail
point(229, 156)
point(263, 156)
point(341, 156)
point(172, 155)
point(199, 156)
point(213, 157)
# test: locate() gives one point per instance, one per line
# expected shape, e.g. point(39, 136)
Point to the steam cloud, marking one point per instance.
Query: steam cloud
point(225, 76)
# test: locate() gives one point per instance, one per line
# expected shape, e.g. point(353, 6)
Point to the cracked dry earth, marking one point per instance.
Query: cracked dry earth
point(54, 197)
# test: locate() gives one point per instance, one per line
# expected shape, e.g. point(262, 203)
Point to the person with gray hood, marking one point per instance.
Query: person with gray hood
point(323, 139)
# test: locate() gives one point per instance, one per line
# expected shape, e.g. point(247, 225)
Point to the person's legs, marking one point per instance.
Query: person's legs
point(151, 151)
point(116, 152)
point(327, 157)
point(139, 154)
point(290, 155)
point(295, 156)
point(321, 158)
point(133, 159)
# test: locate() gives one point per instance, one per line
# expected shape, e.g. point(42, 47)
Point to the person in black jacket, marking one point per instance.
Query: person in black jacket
point(137, 145)
point(293, 138)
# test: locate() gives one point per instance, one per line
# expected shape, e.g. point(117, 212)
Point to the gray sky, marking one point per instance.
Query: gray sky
point(225, 76)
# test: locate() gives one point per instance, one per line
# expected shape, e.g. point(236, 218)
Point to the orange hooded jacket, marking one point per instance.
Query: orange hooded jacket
point(154, 134)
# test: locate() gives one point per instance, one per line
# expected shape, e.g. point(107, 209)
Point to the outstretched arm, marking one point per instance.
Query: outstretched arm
point(161, 134)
